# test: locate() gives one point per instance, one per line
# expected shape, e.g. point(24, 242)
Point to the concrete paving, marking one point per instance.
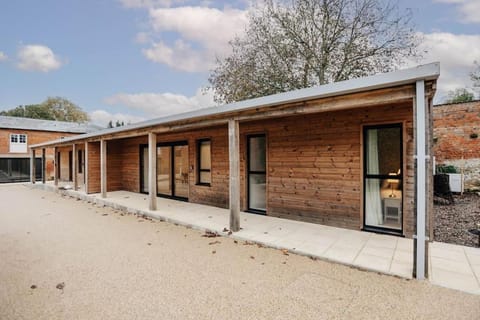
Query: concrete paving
point(456, 267)
point(450, 266)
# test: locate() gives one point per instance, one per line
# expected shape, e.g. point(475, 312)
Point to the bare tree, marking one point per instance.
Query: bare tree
point(301, 43)
point(475, 75)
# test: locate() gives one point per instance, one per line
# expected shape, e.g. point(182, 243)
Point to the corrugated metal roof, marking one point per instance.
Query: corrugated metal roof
point(429, 71)
point(46, 125)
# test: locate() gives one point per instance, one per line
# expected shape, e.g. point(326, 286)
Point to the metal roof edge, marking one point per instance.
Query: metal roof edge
point(429, 71)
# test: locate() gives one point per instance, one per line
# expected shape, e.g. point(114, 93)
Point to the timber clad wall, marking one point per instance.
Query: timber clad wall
point(93, 167)
point(314, 164)
point(130, 169)
point(64, 164)
point(114, 165)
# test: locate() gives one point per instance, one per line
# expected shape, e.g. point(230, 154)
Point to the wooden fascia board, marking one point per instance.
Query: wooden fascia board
point(351, 101)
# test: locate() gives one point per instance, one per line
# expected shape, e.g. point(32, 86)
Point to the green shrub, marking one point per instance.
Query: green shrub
point(446, 169)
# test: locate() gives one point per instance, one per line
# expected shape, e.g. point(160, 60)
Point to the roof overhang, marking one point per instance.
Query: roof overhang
point(428, 72)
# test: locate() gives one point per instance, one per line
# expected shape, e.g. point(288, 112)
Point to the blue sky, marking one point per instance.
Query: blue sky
point(130, 60)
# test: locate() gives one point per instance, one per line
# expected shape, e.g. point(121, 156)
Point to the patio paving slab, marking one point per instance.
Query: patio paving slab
point(455, 267)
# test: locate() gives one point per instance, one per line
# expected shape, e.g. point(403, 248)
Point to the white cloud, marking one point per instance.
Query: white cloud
point(146, 3)
point(37, 58)
point(456, 53)
point(469, 9)
point(3, 56)
point(161, 104)
point(180, 56)
point(102, 118)
point(203, 35)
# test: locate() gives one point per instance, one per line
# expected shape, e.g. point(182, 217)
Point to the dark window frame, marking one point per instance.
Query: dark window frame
point(199, 159)
point(172, 145)
point(366, 175)
point(249, 171)
point(80, 161)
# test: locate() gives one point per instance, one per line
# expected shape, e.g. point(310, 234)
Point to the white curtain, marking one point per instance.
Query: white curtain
point(373, 200)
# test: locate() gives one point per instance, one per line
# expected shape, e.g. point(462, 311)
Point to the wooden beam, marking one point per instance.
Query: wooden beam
point(44, 165)
point(152, 171)
point(103, 168)
point(348, 101)
point(56, 167)
point(74, 167)
point(86, 167)
point(234, 164)
point(32, 166)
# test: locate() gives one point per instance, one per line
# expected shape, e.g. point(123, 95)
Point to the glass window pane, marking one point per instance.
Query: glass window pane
point(257, 154)
point(14, 138)
point(181, 171)
point(205, 177)
point(383, 203)
point(145, 170)
point(205, 155)
point(383, 151)
point(23, 138)
point(164, 168)
point(257, 191)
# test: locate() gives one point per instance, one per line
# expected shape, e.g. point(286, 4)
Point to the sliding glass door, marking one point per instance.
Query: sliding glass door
point(172, 170)
point(164, 171)
point(383, 177)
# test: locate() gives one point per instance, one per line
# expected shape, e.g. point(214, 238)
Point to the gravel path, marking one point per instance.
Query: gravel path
point(67, 259)
point(452, 222)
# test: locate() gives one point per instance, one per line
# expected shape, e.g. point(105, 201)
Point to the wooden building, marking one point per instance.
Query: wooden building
point(352, 154)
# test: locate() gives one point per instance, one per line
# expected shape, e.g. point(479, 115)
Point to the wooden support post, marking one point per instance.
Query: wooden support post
point(234, 164)
point(56, 167)
point(44, 166)
point(86, 168)
point(103, 168)
point(152, 171)
point(74, 167)
point(32, 166)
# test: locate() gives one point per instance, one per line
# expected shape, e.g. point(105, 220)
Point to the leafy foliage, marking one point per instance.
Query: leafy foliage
point(446, 169)
point(459, 95)
point(54, 108)
point(301, 43)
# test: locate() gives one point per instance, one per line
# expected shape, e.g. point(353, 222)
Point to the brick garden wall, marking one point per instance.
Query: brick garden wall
point(455, 127)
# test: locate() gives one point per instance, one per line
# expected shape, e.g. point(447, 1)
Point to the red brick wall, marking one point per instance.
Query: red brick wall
point(453, 144)
point(33, 137)
point(453, 125)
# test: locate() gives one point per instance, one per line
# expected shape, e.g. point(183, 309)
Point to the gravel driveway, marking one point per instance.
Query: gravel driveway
point(67, 259)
